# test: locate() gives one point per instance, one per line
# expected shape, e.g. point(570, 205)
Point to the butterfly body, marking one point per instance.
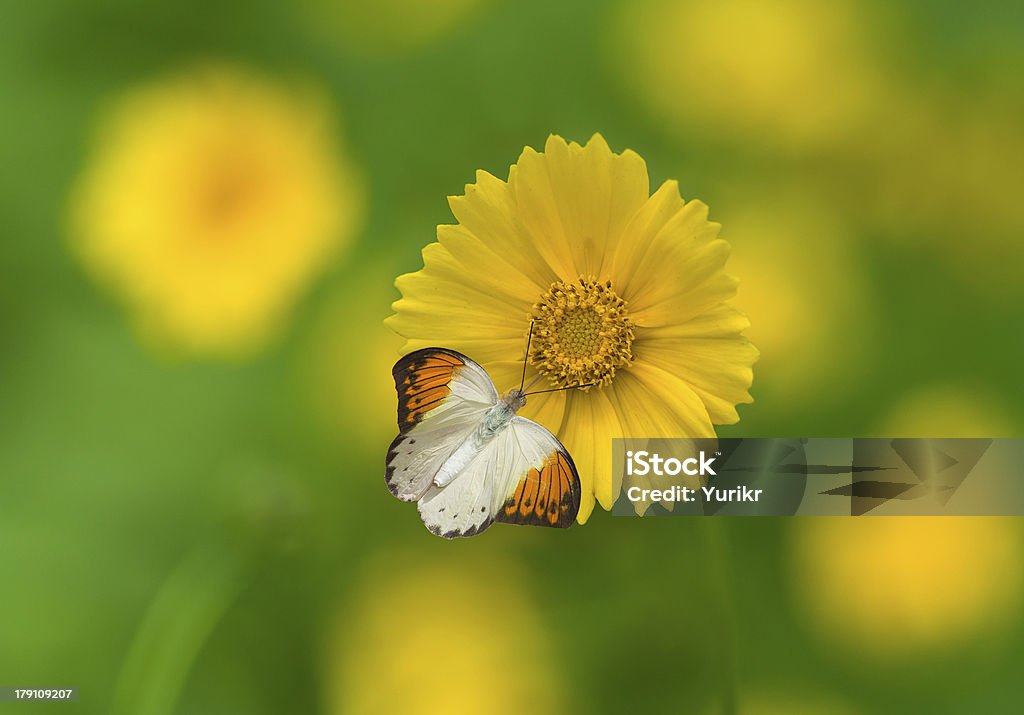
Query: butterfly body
point(495, 420)
point(467, 458)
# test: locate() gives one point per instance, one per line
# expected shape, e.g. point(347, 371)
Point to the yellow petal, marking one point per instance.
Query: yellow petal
point(586, 506)
point(682, 263)
point(576, 201)
point(547, 410)
point(481, 283)
point(684, 257)
point(721, 321)
point(475, 263)
point(718, 370)
point(507, 374)
point(652, 402)
point(446, 302)
point(664, 223)
point(538, 209)
point(488, 211)
point(591, 425)
point(688, 302)
point(450, 314)
point(597, 193)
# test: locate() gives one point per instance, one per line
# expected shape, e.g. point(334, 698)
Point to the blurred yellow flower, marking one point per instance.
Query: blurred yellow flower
point(795, 72)
point(803, 290)
point(388, 27)
point(628, 290)
point(893, 586)
point(212, 199)
point(441, 634)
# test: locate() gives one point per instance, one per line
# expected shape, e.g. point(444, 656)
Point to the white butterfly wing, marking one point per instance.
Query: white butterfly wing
point(463, 507)
point(442, 396)
point(523, 476)
point(547, 491)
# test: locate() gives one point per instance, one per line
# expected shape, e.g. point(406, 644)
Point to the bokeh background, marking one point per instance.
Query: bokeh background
point(203, 206)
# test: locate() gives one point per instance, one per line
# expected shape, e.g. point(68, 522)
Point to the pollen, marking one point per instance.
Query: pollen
point(582, 333)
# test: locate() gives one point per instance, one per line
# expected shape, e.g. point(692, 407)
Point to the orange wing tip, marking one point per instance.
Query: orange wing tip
point(423, 379)
point(549, 496)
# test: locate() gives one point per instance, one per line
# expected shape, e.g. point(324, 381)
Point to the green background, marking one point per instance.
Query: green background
point(184, 533)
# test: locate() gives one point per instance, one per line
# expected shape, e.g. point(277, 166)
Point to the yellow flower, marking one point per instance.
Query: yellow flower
point(429, 634)
point(795, 72)
point(212, 200)
point(803, 290)
point(627, 289)
point(893, 586)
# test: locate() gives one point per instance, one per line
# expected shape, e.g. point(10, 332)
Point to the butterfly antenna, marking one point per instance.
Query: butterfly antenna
point(557, 389)
point(526, 358)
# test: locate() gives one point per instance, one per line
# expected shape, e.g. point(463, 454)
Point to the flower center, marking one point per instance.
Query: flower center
point(582, 333)
point(230, 187)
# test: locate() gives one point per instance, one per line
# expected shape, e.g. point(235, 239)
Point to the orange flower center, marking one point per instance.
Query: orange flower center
point(582, 333)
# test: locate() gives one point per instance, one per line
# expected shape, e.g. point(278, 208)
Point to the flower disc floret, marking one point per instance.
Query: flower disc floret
point(582, 333)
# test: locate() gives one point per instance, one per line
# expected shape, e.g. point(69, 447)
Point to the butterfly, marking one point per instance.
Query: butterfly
point(465, 457)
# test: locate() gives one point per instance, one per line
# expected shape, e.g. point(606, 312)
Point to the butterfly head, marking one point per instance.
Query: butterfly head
point(515, 399)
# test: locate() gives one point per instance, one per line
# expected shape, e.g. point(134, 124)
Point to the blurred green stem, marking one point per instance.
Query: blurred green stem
point(721, 577)
point(174, 629)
